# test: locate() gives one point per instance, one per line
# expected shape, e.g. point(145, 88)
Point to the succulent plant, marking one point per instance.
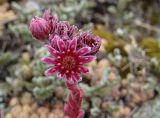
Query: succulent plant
point(152, 106)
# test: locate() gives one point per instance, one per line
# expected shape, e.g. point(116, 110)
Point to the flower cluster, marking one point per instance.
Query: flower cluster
point(70, 49)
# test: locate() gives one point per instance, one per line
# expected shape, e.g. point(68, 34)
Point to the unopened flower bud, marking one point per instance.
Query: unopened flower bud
point(52, 20)
point(39, 28)
point(87, 39)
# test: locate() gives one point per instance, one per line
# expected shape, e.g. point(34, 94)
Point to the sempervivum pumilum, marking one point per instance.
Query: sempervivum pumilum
point(67, 60)
point(69, 50)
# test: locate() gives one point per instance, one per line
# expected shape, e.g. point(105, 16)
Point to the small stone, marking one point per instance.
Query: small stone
point(115, 92)
point(126, 111)
point(143, 96)
point(103, 64)
point(8, 115)
point(112, 76)
point(58, 113)
point(116, 114)
point(26, 72)
point(34, 115)
point(22, 115)
point(34, 107)
point(132, 105)
point(26, 99)
point(92, 63)
point(16, 110)
point(27, 108)
point(58, 105)
point(51, 115)
point(59, 92)
point(124, 82)
point(43, 116)
point(25, 57)
point(124, 92)
point(150, 94)
point(143, 72)
point(136, 87)
point(42, 111)
point(105, 106)
point(136, 98)
point(14, 101)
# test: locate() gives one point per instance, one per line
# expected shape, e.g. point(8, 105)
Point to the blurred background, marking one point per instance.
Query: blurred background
point(124, 81)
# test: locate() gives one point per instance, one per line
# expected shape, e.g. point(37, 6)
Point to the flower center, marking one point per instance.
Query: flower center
point(68, 62)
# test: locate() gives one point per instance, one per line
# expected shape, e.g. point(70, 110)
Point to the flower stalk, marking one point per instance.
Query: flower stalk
point(73, 106)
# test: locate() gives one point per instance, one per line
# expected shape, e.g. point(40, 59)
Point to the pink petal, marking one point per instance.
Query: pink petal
point(47, 14)
point(50, 71)
point(61, 45)
point(77, 78)
point(54, 41)
point(48, 60)
point(86, 59)
point(84, 50)
point(52, 50)
point(60, 75)
point(83, 69)
point(73, 44)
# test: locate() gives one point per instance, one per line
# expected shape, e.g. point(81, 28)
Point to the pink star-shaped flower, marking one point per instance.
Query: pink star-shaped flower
point(68, 61)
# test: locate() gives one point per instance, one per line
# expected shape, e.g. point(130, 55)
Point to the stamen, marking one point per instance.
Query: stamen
point(68, 50)
point(72, 72)
point(59, 64)
point(80, 63)
point(58, 57)
point(69, 62)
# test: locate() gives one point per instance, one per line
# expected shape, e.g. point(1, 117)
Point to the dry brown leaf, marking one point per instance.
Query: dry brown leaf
point(7, 16)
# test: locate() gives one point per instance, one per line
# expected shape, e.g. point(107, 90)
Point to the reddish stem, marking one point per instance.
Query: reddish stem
point(73, 106)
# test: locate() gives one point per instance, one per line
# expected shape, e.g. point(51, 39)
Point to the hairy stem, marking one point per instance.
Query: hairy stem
point(73, 106)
